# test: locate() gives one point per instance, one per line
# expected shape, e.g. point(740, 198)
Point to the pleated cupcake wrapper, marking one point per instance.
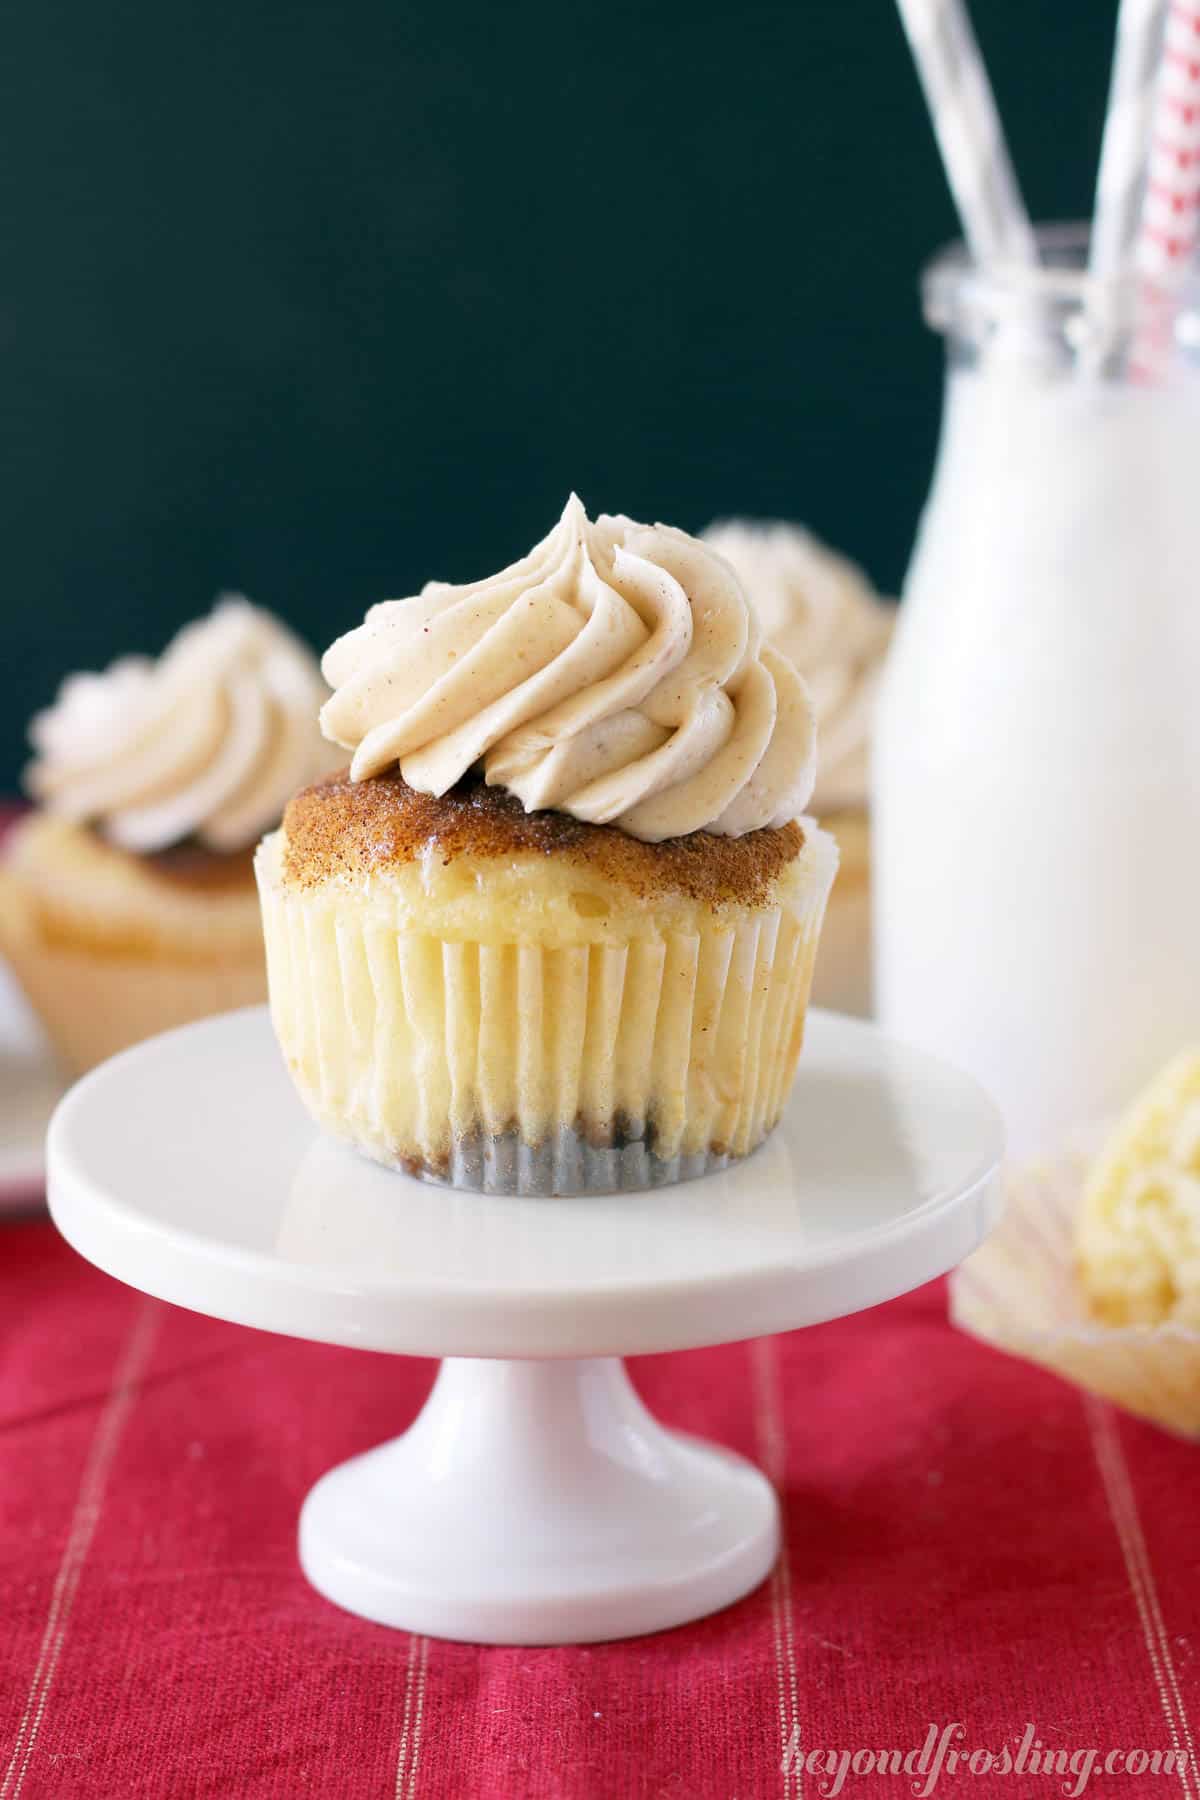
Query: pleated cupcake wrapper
point(91, 1004)
point(522, 1068)
point(1020, 1293)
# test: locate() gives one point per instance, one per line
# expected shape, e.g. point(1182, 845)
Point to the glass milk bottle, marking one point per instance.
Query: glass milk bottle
point(1036, 783)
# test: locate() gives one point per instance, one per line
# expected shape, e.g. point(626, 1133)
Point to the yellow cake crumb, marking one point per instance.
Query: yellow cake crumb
point(1138, 1235)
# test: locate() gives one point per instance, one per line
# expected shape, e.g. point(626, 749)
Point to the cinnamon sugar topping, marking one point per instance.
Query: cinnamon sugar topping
point(340, 827)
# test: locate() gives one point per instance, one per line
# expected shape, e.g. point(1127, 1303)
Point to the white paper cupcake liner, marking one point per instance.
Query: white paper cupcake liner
point(1020, 1293)
point(540, 1069)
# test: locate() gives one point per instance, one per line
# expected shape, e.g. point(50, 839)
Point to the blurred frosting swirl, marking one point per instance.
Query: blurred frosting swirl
point(821, 611)
point(617, 673)
point(207, 742)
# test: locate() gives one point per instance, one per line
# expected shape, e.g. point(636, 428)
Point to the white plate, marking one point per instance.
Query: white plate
point(30, 1088)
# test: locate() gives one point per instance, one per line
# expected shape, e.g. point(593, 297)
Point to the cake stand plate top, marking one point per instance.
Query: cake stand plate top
point(188, 1168)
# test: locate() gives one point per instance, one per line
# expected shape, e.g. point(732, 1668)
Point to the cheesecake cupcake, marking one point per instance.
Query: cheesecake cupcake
point(127, 895)
point(553, 929)
point(1138, 1235)
point(1094, 1270)
point(822, 612)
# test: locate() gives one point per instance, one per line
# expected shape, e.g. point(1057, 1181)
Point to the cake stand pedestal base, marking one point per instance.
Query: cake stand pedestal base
point(538, 1503)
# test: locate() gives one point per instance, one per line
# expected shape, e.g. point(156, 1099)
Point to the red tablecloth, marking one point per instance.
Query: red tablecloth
point(968, 1542)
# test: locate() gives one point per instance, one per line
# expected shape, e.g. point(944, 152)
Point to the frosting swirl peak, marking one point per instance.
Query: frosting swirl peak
point(617, 673)
point(209, 741)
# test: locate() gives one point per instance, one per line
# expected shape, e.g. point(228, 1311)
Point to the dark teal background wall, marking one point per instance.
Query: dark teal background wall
point(320, 300)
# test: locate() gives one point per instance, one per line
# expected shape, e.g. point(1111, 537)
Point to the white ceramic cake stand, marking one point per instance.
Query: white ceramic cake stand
point(535, 1500)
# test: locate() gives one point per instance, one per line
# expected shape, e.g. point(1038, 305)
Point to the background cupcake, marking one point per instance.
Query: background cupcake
point(556, 929)
point(127, 899)
point(822, 612)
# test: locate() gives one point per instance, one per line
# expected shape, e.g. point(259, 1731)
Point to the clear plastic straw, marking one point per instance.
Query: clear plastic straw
point(1120, 184)
point(968, 130)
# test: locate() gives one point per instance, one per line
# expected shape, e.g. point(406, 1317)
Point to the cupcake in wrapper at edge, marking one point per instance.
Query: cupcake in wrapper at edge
point(821, 611)
point(1138, 1238)
point(1094, 1271)
point(554, 930)
point(127, 896)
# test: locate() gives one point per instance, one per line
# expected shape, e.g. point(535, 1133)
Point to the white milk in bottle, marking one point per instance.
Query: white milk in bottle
point(1036, 786)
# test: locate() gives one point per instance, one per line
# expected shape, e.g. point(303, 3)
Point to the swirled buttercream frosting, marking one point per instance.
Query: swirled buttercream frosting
point(821, 611)
point(617, 673)
point(207, 742)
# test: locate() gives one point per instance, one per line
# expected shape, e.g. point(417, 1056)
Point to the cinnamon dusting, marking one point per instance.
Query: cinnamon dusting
point(354, 828)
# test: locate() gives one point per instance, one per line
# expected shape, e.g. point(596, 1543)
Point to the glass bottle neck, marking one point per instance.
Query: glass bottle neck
point(1058, 319)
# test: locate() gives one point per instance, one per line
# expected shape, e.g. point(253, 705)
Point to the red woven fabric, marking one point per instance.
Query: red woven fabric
point(968, 1541)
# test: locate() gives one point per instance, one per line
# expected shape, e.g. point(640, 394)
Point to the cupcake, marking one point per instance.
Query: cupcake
point(821, 611)
point(1138, 1236)
point(554, 928)
point(127, 896)
point(1094, 1270)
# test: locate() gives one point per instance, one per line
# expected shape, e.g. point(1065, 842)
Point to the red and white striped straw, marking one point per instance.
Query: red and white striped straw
point(1170, 221)
point(968, 129)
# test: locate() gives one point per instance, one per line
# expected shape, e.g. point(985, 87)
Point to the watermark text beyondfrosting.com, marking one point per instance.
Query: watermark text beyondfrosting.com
point(945, 1752)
